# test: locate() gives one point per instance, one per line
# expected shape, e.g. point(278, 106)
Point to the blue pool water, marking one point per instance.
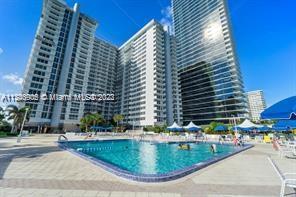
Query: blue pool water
point(149, 158)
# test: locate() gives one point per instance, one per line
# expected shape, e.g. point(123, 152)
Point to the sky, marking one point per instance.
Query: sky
point(264, 33)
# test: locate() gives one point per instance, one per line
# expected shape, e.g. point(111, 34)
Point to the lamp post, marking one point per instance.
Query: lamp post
point(19, 138)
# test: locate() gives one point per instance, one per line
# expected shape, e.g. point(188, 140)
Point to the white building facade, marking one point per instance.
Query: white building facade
point(64, 59)
point(147, 84)
point(67, 59)
point(256, 103)
point(101, 79)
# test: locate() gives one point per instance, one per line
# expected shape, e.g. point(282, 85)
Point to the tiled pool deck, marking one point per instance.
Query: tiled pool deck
point(37, 167)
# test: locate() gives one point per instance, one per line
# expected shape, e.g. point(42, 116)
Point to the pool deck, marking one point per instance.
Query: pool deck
point(37, 167)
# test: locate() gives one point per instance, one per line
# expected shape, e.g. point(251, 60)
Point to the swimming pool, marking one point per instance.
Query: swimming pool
point(149, 162)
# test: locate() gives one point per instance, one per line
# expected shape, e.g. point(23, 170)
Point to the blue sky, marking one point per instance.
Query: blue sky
point(264, 32)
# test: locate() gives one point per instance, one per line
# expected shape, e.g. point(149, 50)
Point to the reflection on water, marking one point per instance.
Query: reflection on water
point(148, 153)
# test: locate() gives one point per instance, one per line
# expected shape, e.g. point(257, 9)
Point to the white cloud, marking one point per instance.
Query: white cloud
point(166, 22)
point(167, 12)
point(167, 15)
point(1, 51)
point(13, 78)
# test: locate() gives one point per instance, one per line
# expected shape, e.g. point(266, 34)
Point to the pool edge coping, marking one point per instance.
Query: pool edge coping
point(171, 176)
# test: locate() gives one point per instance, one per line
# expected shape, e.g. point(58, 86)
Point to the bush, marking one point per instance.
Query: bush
point(148, 128)
point(156, 128)
point(6, 134)
point(5, 126)
point(3, 134)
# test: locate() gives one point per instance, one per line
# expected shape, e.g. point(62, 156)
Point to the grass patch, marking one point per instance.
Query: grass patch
point(3, 134)
point(7, 134)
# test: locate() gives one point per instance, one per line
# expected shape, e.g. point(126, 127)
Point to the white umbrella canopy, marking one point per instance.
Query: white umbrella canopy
point(248, 124)
point(174, 126)
point(192, 125)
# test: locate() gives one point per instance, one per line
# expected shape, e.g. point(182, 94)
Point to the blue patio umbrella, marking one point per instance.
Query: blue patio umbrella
point(193, 129)
point(221, 128)
point(280, 129)
point(237, 128)
point(285, 125)
point(285, 109)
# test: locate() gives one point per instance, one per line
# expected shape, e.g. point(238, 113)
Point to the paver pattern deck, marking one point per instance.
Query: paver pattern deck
point(37, 167)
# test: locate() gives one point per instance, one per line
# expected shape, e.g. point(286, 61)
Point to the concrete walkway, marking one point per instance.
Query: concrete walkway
point(37, 167)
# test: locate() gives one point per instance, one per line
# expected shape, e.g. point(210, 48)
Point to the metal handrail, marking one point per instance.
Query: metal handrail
point(62, 136)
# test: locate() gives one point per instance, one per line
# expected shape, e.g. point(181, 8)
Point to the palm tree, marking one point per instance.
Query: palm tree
point(91, 120)
point(117, 118)
point(17, 115)
point(86, 121)
point(2, 116)
point(97, 119)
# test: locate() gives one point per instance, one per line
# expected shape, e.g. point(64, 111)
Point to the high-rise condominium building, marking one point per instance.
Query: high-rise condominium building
point(147, 83)
point(67, 59)
point(210, 77)
point(256, 103)
point(101, 79)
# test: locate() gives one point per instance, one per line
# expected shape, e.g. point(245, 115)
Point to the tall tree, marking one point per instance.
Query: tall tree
point(97, 119)
point(86, 121)
point(117, 118)
point(91, 120)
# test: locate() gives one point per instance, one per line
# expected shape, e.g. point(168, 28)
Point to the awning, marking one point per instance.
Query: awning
point(175, 127)
point(192, 127)
point(285, 109)
point(247, 124)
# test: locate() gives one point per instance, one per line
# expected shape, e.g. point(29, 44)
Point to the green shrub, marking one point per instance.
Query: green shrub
point(7, 134)
point(148, 128)
point(5, 126)
point(3, 134)
point(156, 128)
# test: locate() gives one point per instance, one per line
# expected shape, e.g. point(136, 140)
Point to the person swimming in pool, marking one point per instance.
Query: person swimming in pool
point(213, 148)
point(184, 146)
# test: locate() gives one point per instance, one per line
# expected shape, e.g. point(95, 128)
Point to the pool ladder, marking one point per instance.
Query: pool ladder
point(64, 140)
point(62, 136)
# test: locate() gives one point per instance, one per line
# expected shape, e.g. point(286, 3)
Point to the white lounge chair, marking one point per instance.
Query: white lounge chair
point(287, 179)
point(285, 150)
